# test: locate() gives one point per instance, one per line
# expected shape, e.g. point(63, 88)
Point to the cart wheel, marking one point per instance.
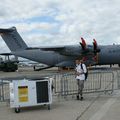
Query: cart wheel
point(49, 107)
point(17, 110)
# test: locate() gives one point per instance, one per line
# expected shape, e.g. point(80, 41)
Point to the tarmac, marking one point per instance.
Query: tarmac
point(95, 106)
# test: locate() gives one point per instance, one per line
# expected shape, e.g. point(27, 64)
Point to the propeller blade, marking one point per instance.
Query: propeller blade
point(95, 47)
point(95, 44)
point(83, 44)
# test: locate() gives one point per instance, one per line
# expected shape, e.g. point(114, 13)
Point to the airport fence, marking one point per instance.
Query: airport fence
point(97, 81)
point(118, 79)
point(4, 90)
point(65, 83)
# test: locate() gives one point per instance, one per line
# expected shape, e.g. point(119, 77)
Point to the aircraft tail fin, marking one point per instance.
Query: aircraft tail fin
point(13, 39)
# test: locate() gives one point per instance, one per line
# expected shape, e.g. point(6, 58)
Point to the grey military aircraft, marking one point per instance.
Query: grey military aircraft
point(61, 56)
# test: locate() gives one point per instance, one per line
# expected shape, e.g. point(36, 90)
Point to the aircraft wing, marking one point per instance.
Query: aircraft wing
point(6, 54)
point(54, 48)
point(81, 50)
point(65, 50)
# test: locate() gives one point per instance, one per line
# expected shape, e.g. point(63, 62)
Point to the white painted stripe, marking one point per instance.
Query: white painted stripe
point(103, 110)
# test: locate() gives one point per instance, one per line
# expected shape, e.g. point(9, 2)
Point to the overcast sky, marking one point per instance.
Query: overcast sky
point(60, 22)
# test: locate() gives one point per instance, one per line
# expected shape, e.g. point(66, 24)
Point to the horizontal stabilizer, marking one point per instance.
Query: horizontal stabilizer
point(7, 30)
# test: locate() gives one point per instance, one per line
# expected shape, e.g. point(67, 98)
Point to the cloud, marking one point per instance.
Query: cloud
point(58, 22)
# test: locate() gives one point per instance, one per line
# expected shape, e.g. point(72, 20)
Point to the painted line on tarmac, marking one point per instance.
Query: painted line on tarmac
point(79, 117)
point(103, 110)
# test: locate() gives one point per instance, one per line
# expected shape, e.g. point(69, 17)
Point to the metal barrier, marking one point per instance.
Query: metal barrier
point(4, 90)
point(118, 79)
point(97, 81)
point(66, 84)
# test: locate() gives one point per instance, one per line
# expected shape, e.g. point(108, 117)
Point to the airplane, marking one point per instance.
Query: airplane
point(61, 56)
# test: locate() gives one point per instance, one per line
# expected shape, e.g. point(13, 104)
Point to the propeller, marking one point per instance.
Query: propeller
point(83, 44)
point(90, 52)
point(95, 47)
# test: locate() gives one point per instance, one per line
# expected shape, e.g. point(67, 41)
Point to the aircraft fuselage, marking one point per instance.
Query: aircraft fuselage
point(109, 54)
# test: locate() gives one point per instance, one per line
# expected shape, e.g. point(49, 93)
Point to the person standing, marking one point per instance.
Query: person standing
point(80, 77)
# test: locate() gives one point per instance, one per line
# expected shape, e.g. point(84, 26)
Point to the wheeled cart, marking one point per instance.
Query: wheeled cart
point(24, 93)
